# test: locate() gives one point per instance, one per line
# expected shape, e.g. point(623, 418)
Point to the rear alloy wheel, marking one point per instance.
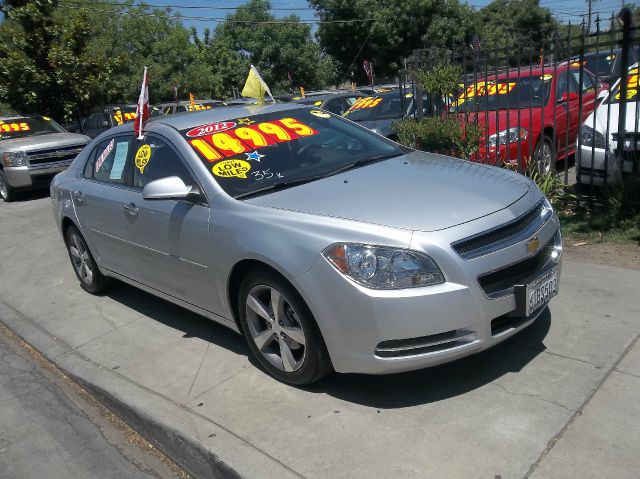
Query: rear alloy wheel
point(86, 269)
point(281, 331)
point(6, 192)
point(545, 155)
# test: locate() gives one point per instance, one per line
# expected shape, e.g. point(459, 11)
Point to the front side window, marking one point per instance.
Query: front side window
point(155, 159)
point(21, 127)
point(587, 81)
point(256, 152)
point(108, 160)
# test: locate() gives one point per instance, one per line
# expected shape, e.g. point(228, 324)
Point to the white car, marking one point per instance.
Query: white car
point(596, 158)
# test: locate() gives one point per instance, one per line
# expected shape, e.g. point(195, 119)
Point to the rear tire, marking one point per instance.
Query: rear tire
point(544, 155)
point(85, 267)
point(7, 193)
point(280, 330)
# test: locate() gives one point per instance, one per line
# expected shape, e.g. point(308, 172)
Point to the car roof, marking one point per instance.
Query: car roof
point(224, 113)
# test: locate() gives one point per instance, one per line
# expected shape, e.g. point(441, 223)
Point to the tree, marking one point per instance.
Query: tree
point(387, 32)
point(46, 66)
point(278, 49)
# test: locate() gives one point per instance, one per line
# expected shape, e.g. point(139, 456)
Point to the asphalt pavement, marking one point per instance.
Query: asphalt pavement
point(48, 430)
point(560, 399)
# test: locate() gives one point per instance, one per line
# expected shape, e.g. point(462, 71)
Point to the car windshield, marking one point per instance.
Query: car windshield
point(20, 127)
point(505, 94)
point(601, 63)
point(390, 105)
point(274, 150)
point(632, 88)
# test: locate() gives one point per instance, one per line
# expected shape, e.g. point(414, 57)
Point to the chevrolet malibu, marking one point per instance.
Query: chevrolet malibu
point(326, 246)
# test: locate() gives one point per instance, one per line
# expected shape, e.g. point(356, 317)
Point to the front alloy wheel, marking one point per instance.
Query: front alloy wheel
point(6, 192)
point(280, 330)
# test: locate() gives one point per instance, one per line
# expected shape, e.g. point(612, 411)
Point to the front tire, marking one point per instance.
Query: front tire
point(85, 267)
point(7, 193)
point(280, 330)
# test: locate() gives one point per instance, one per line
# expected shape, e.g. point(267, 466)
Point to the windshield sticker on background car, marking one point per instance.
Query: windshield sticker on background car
point(210, 128)
point(320, 114)
point(198, 107)
point(245, 121)
point(482, 89)
point(46, 118)
point(633, 82)
point(317, 103)
point(22, 126)
point(104, 154)
point(121, 118)
point(247, 138)
point(546, 77)
point(365, 103)
point(231, 168)
point(143, 155)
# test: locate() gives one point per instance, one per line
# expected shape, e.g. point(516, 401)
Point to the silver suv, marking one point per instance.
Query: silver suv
point(32, 150)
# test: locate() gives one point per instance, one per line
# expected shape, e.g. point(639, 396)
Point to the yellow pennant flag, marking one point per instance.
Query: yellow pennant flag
point(302, 92)
point(192, 101)
point(255, 87)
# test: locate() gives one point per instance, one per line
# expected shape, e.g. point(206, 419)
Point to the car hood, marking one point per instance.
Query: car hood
point(612, 111)
point(43, 142)
point(417, 191)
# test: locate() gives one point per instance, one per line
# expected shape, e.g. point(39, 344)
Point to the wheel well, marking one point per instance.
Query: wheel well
point(548, 131)
point(66, 223)
point(239, 271)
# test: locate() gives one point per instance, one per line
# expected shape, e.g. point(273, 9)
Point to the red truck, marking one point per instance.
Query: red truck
point(527, 113)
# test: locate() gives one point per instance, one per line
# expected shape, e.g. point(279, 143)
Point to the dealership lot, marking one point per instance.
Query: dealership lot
point(561, 399)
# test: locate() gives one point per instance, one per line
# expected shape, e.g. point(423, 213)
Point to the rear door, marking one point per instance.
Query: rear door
point(99, 200)
point(170, 238)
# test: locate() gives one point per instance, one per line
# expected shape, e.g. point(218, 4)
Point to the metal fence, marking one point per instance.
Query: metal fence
point(568, 105)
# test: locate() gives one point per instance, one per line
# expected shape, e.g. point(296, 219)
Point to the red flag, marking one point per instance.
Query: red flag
point(142, 110)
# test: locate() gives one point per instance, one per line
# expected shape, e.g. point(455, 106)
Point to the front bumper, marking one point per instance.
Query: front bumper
point(600, 167)
point(373, 331)
point(34, 175)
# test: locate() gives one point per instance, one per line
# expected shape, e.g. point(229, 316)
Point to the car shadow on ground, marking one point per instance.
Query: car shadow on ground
point(31, 195)
point(380, 391)
point(434, 384)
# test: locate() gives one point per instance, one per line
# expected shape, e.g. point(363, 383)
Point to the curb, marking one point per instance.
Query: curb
point(171, 427)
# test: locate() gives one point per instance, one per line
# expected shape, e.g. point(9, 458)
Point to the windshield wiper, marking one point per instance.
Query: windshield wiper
point(364, 161)
point(279, 186)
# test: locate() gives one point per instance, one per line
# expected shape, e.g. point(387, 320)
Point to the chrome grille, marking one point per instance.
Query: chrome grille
point(501, 282)
point(61, 153)
point(503, 236)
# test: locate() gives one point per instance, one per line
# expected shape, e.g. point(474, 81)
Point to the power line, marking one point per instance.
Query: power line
point(185, 7)
point(220, 20)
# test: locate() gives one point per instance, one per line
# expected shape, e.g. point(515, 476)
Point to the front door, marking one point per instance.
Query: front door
point(171, 237)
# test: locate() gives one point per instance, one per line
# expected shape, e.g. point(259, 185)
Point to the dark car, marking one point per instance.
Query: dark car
point(336, 103)
point(378, 113)
point(606, 64)
point(106, 117)
point(169, 108)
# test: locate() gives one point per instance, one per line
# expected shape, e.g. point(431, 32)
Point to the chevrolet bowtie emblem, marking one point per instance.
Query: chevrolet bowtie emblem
point(532, 245)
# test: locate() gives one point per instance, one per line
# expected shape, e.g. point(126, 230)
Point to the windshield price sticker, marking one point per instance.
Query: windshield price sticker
point(210, 128)
point(249, 137)
point(365, 103)
point(8, 127)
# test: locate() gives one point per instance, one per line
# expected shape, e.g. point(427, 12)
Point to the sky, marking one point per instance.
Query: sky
point(565, 10)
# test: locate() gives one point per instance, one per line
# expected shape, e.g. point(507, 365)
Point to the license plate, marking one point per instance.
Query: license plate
point(540, 291)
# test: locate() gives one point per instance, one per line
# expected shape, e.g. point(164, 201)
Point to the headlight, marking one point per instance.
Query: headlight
point(14, 158)
point(592, 138)
point(507, 136)
point(380, 267)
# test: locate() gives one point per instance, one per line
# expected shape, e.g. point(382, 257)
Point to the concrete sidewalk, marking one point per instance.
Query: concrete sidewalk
point(561, 399)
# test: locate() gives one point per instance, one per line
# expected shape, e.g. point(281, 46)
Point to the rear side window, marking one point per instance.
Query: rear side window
point(155, 159)
point(108, 160)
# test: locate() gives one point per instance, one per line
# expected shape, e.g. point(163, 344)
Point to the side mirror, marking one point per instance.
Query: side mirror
point(171, 187)
point(569, 97)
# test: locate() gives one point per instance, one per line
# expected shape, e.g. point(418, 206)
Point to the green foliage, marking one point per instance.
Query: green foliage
point(622, 201)
point(550, 184)
point(441, 79)
point(397, 28)
point(276, 49)
point(46, 64)
point(445, 135)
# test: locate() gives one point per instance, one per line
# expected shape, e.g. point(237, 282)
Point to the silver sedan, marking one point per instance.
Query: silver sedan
point(327, 246)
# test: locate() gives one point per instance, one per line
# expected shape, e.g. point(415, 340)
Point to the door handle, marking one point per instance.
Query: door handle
point(130, 208)
point(78, 195)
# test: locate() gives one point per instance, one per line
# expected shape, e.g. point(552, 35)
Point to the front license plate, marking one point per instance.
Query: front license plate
point(539, 292)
